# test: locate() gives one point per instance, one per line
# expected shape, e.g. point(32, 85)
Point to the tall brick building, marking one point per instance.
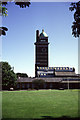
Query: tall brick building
point(42, 68)
point(41, 50)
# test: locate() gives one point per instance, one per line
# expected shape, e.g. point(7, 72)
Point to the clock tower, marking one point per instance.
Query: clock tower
point(41, 50)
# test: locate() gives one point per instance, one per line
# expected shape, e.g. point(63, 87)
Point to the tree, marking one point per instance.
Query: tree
point(3, 30)
point(21, 75)
point(9, 78)
point(3, 11)
point(76, 23)
point(38, 83)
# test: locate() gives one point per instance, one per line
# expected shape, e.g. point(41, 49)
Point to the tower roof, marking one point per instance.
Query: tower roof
point(43, 34)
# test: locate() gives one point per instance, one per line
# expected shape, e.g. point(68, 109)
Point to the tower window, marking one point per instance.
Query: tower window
point(41, 74)
point(43, 40)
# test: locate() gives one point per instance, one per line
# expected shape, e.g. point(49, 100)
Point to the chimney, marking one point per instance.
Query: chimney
point(37, 35)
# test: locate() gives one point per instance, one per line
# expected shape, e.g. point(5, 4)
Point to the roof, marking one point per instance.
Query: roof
point(51, 79)
point(70, 81)
point(65, 74)
point(22, 79)
point(46, 79)
point(43, 34)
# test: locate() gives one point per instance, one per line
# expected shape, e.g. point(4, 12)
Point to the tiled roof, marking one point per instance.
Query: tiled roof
point(22, 79)
point(54, 79)
point(46, 79)
point(65, 73)
point(51, 79)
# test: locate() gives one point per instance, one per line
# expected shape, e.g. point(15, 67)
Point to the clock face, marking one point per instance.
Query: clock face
point(44, 50)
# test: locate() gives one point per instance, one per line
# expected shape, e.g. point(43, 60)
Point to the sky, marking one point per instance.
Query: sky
point(18, 45)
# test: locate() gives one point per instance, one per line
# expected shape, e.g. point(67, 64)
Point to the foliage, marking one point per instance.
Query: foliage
point(3, 11)
point(21, 75)
point(23, 4)
point(2, 30)
point(8, 76)
point(38, 83)
point(76, 23)
point(35, 104)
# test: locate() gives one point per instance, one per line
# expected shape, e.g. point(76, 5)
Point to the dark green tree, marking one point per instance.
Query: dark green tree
point(38, 83)
point(76, 23)
point(9, 78)
point(21, 75)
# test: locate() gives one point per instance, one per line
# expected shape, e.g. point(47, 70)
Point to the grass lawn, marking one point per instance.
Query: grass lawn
point(35, 104)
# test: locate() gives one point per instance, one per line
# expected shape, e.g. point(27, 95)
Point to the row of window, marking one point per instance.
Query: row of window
point(45, 74)
point(43, 40)
point(71, 79)
point(56, 68)
point(41, 60)
point(23, 85)
point(42, 46)
point(42, 53)
point(42, 57)
point(41, 63)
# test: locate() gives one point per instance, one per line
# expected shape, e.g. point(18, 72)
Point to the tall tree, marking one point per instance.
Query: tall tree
point(8, 76)
point(76, 23)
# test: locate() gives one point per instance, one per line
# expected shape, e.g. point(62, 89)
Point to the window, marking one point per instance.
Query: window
point(37, 67)
point(40, 67)
point(18, 85)
point(27, 85)
point(45, 85)
point(32, 85)
point(43, 40)
point(41, 74)
point(58, 68)
point(23, 85)
point(51, 85)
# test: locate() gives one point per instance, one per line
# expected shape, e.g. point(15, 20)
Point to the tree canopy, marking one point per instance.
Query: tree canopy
point(9, 78)
point(4, 11)
point(21, 75)
point(76, 23)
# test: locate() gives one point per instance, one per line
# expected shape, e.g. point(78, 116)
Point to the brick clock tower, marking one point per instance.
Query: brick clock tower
point(41, 50)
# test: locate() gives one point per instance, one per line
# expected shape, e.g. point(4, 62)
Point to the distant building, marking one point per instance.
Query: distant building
point(54, 77)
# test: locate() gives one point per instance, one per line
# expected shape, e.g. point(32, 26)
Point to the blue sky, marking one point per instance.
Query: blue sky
point(56, 20)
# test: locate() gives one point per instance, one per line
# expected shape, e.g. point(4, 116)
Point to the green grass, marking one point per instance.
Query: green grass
point(34, 104)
